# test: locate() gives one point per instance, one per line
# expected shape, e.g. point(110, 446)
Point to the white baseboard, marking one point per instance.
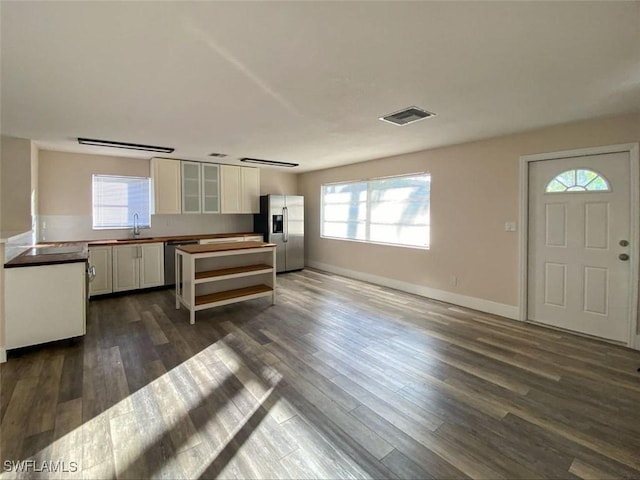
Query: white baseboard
point(508, 311)
point(3, 355)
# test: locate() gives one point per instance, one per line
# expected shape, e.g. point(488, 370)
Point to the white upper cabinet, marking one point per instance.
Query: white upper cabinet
point(210, 188)
point(230, 189)
point(166, 186)
point(250, 190)
point(181, 186)
point(239, 189)
point(191, 187)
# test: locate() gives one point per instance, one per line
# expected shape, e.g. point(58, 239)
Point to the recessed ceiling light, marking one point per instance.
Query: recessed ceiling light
point(269, 162)
point(407, 116)
point(128, 146)
point(218, 155)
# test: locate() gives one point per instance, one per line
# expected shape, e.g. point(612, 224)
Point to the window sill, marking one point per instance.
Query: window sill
point(119, 228)
point(368, 242)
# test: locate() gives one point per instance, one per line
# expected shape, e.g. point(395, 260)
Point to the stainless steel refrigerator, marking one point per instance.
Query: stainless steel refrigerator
point(281, 221)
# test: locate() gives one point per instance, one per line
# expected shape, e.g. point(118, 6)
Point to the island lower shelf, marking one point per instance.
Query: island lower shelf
point(213, 275)
point(231, 272)
point(237, 294)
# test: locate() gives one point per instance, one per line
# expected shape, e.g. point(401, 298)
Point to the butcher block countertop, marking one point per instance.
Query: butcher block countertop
point(223, 247)
point(53, 253)
point(125, 241)
point(69, 252)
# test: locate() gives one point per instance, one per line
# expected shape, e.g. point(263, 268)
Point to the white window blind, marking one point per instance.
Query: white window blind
point(393, 210)
point(117, 199)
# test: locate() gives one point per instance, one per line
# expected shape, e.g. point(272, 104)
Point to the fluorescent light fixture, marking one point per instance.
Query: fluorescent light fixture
point(218, 155)
point(269, 162)
point(128, 146)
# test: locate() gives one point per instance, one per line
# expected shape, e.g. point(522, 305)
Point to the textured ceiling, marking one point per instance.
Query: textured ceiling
point(305, 82)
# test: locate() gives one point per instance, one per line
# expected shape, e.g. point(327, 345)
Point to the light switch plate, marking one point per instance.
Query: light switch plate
point(510, 227)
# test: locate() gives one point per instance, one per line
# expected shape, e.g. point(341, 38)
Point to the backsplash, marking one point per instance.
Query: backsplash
point(58, 228)
point(18, 244)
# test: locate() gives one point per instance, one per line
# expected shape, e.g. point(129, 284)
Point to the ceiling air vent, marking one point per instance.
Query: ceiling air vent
point(218, 155)
point(407, 116)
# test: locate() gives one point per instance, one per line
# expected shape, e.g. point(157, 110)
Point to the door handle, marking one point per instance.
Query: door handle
point(285, 220)
point(624, 257)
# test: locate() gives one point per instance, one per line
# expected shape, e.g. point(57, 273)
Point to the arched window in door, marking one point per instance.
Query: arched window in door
point(578, 180)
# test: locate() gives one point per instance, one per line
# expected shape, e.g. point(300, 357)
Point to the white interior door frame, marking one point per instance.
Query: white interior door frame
point(634, 167)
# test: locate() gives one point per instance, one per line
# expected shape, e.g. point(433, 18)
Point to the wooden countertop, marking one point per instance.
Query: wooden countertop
point(223, 247)
point(126, 241)
point(30, 258)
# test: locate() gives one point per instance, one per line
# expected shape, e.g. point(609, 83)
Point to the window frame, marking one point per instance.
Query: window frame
point(143, 223)
point(367, 240)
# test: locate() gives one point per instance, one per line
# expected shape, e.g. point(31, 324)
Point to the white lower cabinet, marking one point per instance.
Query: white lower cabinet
point(100, 260)
point(138, 266)
point(152, 265)
point(44, 303)
point(126, 267)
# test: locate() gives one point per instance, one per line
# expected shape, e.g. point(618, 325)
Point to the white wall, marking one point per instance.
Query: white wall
point(15, 199)
point(64, 199)
point(60, 228)
point(35, 161)
point(474, 191)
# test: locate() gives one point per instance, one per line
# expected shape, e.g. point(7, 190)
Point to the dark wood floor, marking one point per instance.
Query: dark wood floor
point(341, 379)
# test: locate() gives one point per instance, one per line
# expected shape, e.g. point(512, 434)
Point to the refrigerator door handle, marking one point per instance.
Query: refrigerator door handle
point(285, 220)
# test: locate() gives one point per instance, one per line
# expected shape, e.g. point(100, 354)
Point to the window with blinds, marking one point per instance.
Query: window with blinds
point(392, 210)
point(117, 199)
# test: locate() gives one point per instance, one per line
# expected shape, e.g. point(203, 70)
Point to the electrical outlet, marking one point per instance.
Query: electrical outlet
point(453, 280)
point(510, 227)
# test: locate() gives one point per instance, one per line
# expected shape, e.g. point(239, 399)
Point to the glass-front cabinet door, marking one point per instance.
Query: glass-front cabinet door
point(210, 188)
point(191, 187)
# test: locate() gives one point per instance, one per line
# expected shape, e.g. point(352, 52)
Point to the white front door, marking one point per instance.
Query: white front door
point(579, 232)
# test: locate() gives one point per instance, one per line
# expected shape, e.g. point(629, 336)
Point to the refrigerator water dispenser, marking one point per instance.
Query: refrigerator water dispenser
point(278, 223)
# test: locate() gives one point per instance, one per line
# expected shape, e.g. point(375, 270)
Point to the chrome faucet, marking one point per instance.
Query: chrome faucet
point(136, 227)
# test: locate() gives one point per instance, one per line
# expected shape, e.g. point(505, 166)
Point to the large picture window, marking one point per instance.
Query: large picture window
point(116, 200)
point(392, 210)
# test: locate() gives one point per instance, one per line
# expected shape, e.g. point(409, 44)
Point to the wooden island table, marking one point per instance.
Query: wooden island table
point(222, 273)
